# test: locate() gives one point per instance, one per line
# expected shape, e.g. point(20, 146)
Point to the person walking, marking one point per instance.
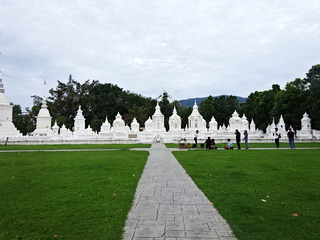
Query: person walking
point(196, 139)
point(238, 138)
point(277, 137)
point(245, 138)
point(291, 137)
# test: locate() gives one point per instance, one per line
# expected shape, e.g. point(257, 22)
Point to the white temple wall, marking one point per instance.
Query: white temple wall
point(155, 131)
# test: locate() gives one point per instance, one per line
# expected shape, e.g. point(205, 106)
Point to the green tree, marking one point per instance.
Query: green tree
point(206, 108)
point(260, 107)
point(184, 113)
point(166, 108)
point(313, 100)
point(291, 103)
point(224, 107)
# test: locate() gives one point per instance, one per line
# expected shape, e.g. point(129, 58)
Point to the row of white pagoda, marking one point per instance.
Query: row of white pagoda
point(154, 128)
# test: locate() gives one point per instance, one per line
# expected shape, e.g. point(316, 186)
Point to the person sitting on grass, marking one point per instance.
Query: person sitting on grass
point(213, 144)
point(208, 143)
point(229, 144)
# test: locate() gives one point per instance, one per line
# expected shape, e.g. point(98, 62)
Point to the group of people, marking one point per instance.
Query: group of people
point(210, 143)
point(290, 135)
point(238, 139)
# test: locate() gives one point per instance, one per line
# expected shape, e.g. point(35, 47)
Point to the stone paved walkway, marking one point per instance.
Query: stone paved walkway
point(168, 205)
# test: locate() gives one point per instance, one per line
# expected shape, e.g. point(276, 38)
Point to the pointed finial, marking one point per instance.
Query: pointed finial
point(174, 110)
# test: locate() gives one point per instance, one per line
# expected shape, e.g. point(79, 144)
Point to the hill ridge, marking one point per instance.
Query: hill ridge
point(190, 101)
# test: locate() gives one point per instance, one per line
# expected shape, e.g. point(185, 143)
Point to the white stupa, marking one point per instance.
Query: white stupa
point(306, 131)
point(105, 127)
point(135, 125)
point(158, 120)
point(43, 126)
point(79, 123)
point(196, 121)
point(7, 129)
point(119, 124)
point(235, 122)
point(174, 121)
point(282, 126)
point(213, 124)
point(148, 125)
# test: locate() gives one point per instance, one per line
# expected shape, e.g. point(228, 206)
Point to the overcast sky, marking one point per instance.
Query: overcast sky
point(189, 48)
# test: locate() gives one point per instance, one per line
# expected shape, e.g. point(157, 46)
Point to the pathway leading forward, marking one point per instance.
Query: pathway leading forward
point(168, 205)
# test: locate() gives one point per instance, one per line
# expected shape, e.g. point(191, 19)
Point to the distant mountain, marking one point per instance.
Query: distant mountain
point(190, 102)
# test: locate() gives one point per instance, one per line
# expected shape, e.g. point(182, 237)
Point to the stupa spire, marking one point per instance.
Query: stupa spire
point(1, 84)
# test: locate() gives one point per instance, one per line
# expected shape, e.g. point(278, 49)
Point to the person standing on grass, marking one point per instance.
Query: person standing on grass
point(196, 139)
point(291, 136)
point(245, 138)
point(238, 138)
point(277, 137)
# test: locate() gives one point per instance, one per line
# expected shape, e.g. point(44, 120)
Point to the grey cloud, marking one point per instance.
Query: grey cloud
point(189, 48)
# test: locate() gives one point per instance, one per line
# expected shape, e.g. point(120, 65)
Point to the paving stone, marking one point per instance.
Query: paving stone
point(170, 209)
point(138, 238)
point(174, 226)
point(199, 225)
point(143, 215)
point(166, 217)
point(150, 229)
point(228, 238)
point(131, 223)
point(223, 233)
point(189, 207)
point(202, 235)
point(178, 218)
point(145, 207)
point(182, 200)
point(218, 225)
point(175, 234)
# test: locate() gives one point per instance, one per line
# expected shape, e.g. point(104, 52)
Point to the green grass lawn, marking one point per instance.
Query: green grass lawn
point(74, 195)
point(76, 146)
point(256, 145)
point(258, 191)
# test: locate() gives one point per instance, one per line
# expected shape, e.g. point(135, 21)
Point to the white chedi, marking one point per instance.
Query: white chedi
point(306, 131)
point(135, 125)
point(252, 126)
point(79, 123)
point(55, 129)
point(235, 122)
point(196, 121)
point(43, 126)
point(118, 124)
point(244, 123)
point(213, 124)
point(158, 120)
point(63, 130)
point(174, 121)
point(148, 125)
point(306, 122)
point(7, 128)
point(105, 127)
point(89, 131)
point(282, 126)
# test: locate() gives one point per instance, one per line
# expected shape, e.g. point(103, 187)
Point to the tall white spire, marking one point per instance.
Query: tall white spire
point(1, 84)
point(7, 129)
